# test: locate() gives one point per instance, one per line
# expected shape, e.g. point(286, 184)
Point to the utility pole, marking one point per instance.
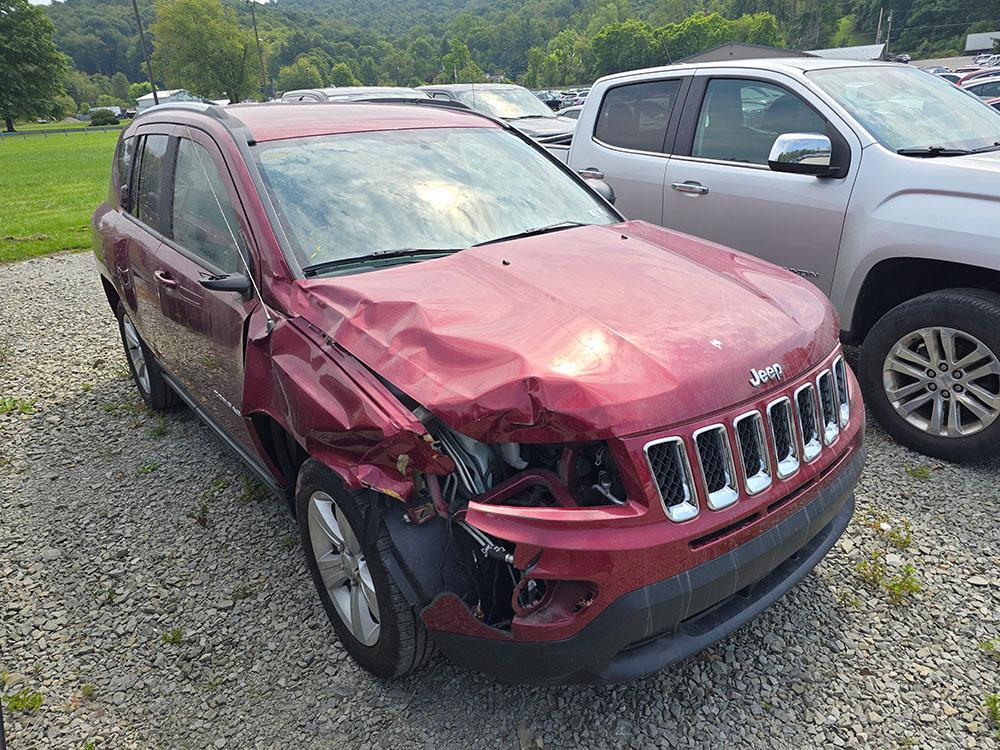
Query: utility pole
point(145, 52)
point(264, 84)
point(888, 33)
point(878, 34)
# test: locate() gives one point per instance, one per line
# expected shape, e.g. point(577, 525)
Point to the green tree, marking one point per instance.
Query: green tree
point(301, 74)
point(119, 86)
point(625, 45)
point(457, 65)
point(31, 68)
point(199, 46)
point(135, 90)
point(341, 75)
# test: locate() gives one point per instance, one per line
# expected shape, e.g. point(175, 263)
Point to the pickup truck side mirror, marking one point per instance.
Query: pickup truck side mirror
point(802, 153)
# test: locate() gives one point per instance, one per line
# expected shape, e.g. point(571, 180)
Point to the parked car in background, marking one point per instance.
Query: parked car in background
point(573, 113)
point(436, 342)
point(984, 88)
point(877, 182)
point(968, 69)
point(974, 75)
point(936, 69)
point(580, 98)
point(352, 94)
point(513, 104)
point(950, 77)
point(995, 103)
point(549, 99)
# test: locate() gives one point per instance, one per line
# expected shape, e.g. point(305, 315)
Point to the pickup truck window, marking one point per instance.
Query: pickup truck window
point(904, 108)
point(635, 116)
point(199, 225)
point(149, 185)
point(350, 195)
point(740, 120)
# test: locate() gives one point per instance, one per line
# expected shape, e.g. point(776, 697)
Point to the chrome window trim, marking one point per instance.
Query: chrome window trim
point(812, 449)
point(689, 508)
point(843, 407)
point(788, 466)
point(730, 493)
point(831, 429)
point(724, 162)
point(624, 150)
point(761, 479)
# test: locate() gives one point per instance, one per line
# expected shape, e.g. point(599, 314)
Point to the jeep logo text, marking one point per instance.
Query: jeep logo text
point(772, 372)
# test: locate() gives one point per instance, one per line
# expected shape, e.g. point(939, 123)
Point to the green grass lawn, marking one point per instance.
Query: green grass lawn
point(49, 187)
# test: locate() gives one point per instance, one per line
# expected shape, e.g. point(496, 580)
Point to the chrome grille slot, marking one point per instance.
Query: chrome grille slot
point(843, 391)
point(805, 405)
point(752, 446)
point(828, 406)
point(671, 471)
point(786, 450)
point(715, 459)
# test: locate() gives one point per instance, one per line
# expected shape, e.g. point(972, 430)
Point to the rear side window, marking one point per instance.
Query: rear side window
point(636, 116)
point(126, 151)
point(740, 120)
point(986, 90)
point(204, 221)
point(148, 204)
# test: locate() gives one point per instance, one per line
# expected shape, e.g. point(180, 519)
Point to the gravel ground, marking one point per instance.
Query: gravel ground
point(121, 532)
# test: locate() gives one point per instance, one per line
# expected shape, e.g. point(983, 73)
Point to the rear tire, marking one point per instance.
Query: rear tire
point(355, 586)
point(954, 413)
point(142, 365)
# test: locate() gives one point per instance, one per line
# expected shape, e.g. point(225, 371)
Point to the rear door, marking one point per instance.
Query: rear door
point(627, 140)
point(718, 185)
point(206, 235)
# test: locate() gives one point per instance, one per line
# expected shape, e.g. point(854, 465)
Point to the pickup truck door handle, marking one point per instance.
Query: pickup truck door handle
point(690, 187)
point(165, 279)
point(590, 173)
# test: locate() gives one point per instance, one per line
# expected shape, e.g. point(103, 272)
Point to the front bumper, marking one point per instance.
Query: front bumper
point(652, 627)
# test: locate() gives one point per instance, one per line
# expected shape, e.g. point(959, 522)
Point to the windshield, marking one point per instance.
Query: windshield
point(508, 104)
point(350, 195)
point(905, 108)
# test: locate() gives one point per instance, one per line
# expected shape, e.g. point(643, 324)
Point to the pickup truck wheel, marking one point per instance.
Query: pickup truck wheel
point(930, 373)
point(346, 551)
point(143, 366)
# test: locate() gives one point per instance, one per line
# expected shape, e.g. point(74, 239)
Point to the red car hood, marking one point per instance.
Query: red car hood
point(579, 334)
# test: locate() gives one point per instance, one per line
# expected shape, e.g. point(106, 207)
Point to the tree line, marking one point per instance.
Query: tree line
point(92, 55)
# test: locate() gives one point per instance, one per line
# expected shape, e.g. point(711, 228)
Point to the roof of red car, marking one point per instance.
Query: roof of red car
point(277, 120)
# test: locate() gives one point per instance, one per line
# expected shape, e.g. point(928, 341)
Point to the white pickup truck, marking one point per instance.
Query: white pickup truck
point(878, 182)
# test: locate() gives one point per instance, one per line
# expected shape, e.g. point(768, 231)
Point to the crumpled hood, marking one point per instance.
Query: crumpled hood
point(579, 334)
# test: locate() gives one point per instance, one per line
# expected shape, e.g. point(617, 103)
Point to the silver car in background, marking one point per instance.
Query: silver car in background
point(878, 182)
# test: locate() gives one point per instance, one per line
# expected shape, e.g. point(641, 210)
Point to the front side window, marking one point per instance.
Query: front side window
point(440, 188)
point(149, 185)
point(204, 222)
point(636, 116)
point(740, 120)
point(986, 90)
point(904, 108)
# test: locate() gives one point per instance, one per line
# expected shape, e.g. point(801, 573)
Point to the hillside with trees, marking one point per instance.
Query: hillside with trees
point(208, 46)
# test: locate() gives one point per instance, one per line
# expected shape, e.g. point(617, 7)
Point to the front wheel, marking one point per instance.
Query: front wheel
point(930, 373)
point(346, 552)
point(142, 365)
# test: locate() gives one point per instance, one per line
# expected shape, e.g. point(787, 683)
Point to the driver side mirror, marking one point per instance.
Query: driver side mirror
point(802, 153)
point(602, 188)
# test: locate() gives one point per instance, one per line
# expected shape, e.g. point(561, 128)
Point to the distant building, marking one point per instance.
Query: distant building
point(741, 51)
point(863, 52)
point(976, 43)
point(166, 96)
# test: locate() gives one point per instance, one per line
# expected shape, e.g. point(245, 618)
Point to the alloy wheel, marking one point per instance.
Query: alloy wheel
point(135, 354)
point(943, 381)
point(343, 568)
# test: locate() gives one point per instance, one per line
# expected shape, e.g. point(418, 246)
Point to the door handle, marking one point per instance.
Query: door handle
point(165, 279)
point(590, 173)
point(690, 187)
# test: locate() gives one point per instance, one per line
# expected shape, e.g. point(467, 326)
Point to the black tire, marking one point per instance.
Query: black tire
point(403, 645)
point(971, 311)
point(158, 395)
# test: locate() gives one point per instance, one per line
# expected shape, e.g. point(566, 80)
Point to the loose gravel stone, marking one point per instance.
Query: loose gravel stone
point(143, 628)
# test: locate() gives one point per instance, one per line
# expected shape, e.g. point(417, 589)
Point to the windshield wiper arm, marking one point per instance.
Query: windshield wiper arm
point(929, 152)
point(531, 117)
point(984, 149)
point(403, 252)
point(535, 231)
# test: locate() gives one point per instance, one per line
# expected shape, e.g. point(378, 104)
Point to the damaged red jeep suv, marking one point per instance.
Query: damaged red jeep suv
point(558, 445)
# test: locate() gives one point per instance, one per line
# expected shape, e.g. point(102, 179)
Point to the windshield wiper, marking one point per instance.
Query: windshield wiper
point(403, 252)
point(984, 149)
point(533, 232)
point(929, 152)
point(531, 117)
